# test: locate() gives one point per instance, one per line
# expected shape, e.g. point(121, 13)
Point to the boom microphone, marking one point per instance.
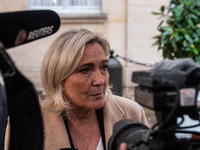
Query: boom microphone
point(186, 65)
point(180, 64)
point(21, 27)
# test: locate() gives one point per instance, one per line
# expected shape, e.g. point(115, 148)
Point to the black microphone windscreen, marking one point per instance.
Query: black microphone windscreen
point(21, 27)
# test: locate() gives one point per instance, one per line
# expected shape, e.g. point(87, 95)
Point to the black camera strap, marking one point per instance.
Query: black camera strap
point(100, 119)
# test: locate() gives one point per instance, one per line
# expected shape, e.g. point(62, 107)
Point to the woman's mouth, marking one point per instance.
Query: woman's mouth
point(100, 94)
point(97, 94)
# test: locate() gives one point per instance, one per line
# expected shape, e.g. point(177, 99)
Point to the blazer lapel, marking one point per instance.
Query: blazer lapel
point(112, 113)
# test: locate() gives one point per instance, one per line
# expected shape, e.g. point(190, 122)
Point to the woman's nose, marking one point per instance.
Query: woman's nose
point(98, 79)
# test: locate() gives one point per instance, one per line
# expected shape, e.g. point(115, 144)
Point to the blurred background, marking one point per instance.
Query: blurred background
point(129, 26)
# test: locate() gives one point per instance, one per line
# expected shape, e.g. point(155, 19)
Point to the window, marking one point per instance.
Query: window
point(68, 6)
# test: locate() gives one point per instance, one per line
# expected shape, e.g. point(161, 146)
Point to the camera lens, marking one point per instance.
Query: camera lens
point(133, 133)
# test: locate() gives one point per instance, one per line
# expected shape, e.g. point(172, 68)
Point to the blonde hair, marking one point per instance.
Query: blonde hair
point(60, 61)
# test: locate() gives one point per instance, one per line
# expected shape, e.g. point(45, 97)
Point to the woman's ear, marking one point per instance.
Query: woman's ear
point(63, 86)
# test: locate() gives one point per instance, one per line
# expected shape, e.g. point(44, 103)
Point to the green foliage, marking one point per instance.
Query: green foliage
point(179, 30)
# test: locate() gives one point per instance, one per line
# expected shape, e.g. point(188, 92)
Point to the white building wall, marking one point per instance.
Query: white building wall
point(141, 28)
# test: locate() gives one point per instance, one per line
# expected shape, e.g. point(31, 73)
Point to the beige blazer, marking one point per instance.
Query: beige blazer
point(115, 109)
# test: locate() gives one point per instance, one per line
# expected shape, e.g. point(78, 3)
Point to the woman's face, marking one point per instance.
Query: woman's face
point(86, 86)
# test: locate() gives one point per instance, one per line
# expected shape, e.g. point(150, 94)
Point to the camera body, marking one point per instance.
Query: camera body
point(163, 90)
point(171, 94)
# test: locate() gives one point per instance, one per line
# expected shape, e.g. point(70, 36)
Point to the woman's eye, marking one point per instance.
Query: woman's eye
point(85, 70)
point(105, 67)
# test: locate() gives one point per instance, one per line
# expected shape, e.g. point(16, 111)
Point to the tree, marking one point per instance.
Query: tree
point(179, 30)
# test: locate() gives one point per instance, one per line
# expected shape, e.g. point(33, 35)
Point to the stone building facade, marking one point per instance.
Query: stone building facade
point(128, 25)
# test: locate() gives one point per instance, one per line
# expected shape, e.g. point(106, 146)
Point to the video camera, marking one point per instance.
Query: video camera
point(172, 92)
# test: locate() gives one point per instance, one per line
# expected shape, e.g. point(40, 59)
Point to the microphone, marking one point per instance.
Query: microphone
point(18, 28)
point(21, 27)
point(180, 64)
point(186, 65)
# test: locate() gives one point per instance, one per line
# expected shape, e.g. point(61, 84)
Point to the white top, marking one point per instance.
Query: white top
point(100, 145)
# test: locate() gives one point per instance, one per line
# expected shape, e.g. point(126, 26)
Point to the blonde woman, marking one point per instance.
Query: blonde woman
point(79, 110)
